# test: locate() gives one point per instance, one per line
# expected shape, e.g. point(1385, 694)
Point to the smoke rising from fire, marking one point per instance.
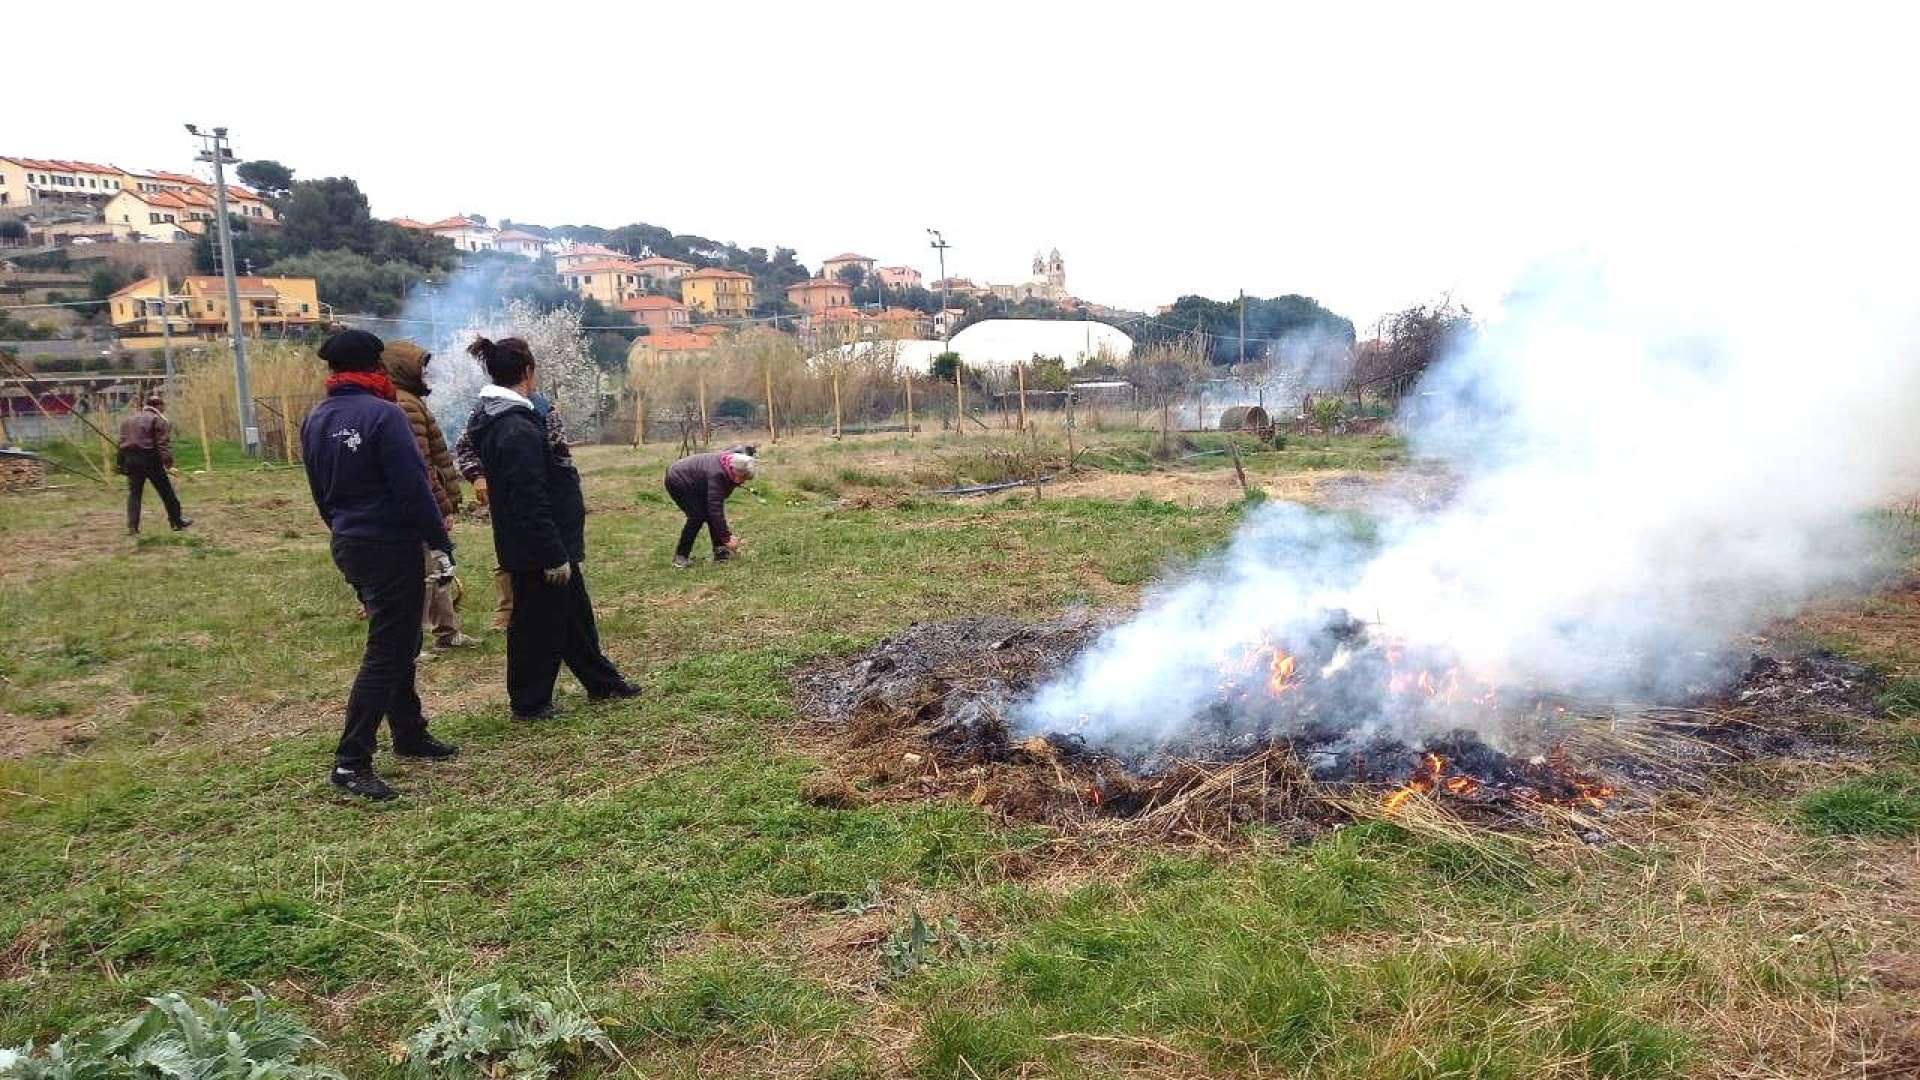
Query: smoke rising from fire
point(1643, 472)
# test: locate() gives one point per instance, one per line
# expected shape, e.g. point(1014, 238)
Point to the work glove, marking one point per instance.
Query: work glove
point(558, 575)
point(443, 569)
point(480, 491)
point(733, 543)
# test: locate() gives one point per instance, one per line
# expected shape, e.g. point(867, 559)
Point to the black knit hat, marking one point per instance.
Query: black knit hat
point(352, 350)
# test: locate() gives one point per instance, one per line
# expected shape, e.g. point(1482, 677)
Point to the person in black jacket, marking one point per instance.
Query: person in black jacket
point(369, 483)
point(700, 485)
point(539, 536)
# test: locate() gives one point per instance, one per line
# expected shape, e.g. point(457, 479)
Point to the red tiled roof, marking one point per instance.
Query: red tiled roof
point(516, 234)
point(578, 250)
point(651, 303)
point(897, 314)
point(838, 314)
point(135, 287)
point(711, 330)
point(849, 256)
point(57, 165)
point(715, 273)
point(676, 342)
point(662, 260)
point(246, 286)
point(407, 223)
point(818, 283)
point(457, 222)
point(620, 266)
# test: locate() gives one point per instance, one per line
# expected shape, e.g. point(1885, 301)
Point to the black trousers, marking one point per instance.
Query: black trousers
point(694, 505)
point(143, 467)
point(552, 624)
point(390, 580)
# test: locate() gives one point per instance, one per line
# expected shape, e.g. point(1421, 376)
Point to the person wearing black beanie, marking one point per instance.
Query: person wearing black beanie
point(369, 483)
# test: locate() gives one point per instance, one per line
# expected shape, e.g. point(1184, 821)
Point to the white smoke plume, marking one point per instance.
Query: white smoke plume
point(1644, 472)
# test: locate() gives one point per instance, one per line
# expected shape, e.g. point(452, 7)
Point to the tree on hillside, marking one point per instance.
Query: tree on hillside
point(853, 276)
point(326, 215)
point(251, 247)
point(350, 281)
point(269, 178)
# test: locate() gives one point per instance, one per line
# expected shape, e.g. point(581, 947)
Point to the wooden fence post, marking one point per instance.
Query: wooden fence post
point(206, 447)
point(909, 404)
point(106, 441)
point(706, 428)
point(1021, 371)
point(773, 433)
point(640, 420)
point(836, 405)
point(959, 403)
point(286, 429)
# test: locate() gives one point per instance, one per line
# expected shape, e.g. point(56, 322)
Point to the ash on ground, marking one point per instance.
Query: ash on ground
point(924, 713)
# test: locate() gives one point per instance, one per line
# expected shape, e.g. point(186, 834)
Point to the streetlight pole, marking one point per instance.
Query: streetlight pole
point(214, 148)
point(946, 322)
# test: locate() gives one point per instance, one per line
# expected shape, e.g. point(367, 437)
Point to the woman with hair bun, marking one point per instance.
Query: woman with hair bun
point(539, 536)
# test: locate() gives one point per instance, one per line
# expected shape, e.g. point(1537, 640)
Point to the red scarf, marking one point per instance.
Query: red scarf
point(373, 382)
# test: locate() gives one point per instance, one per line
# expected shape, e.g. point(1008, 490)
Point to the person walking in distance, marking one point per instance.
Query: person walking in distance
point(146, 457)
point(406, 365)
point(700, 486)
point(539, 536)
point(369, 483)
point(467, 460)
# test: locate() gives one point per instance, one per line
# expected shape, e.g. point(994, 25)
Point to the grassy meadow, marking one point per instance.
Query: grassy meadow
point(170, 704)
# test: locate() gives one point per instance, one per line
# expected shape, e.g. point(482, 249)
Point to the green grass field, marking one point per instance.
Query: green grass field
point(170, 705)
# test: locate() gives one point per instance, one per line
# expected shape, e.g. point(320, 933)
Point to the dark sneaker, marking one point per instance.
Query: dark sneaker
point(624, 690)
point(722, 554)
point(543, 713)
point(457, 641)
point(425, 747)
point(681, 562)
point(364, 783)
point(183, 523)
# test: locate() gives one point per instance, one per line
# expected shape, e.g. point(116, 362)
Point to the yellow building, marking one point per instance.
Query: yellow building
point(832, 267)
point(610, 281)
point(139, 309)
point(724, 294)
point(199, 305)
point(43, 181)
point(819, 294)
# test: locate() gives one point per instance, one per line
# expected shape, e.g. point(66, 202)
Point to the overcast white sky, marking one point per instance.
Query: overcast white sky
point(1369, 155)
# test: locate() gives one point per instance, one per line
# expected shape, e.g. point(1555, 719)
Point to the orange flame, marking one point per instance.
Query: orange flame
point(1280, 673)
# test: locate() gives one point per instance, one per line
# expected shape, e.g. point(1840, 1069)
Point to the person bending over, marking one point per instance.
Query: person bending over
point(539, 536)
point(370, 486)
point(700, 486)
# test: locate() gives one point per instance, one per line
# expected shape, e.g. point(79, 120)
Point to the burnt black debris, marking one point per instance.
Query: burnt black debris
point(952, 687)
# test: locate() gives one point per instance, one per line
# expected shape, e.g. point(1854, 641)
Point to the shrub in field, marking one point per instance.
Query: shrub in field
point(176, 1036)
point(500, 1032)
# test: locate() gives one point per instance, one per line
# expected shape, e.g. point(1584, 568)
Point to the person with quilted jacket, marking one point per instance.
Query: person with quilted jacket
point(406, 365)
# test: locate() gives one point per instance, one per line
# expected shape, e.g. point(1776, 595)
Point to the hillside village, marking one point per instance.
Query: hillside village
point(67, 227)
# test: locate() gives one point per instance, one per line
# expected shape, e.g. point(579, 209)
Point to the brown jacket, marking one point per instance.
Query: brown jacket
point(406, 366)
point(148, 432)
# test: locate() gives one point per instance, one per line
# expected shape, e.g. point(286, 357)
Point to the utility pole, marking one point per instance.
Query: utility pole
point(940, 245)
point(214, 148)
point(1243, 327)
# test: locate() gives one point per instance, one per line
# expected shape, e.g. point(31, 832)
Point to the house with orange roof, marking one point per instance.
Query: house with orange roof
point(722, 294)
point(163, 215)
point(516, 242)
point(28, 181)
point(659, 314)
point(573, 255)
point(898, 277)
point(198, 304)
point(242, 201)
point(661, 271)
point(832, 267)
point(819, 294)
point(609, 281)
point(655, 349)
point(467, 234)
